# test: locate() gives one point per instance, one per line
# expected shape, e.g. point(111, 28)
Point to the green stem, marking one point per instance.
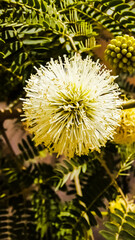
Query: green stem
point(10, 71)
point(72, 42)
point(113, 178)
point(89, 234)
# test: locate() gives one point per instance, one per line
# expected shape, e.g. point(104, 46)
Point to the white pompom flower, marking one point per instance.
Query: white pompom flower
point(72, 106)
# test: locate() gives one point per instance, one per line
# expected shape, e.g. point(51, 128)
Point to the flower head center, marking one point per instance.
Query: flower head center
point(73, 106)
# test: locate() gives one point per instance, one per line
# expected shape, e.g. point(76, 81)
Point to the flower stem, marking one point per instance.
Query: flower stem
point(89, 234)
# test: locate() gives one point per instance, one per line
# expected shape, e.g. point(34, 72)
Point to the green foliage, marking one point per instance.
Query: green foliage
point(121, 225)
point(28, 149)
point(31, 206)
point(116, 16)
point(45, 215)
point(127, 164)
point(68, 170)
point(17, 220)
point(126, 86)
point(24, 210)
point(127, 154)
point(46, 205)
point(33, 31)
point(28, 40)
point(73, 221)
point(103, 190)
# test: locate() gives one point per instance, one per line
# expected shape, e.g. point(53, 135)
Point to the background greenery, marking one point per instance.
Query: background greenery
point(32, 32)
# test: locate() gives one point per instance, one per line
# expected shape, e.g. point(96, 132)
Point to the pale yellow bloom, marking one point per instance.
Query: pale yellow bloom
point(119, 203)
point(72, 106)
point(125, 133)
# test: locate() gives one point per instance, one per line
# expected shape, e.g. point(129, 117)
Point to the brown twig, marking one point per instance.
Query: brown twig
point(10, 114)
point(128, 104)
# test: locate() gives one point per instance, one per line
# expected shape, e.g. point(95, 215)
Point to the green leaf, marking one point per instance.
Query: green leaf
point(95, 15)
point(31, 3)
point(104, 7)
point(117, 16)
point(67, 226)
point(43, 5)
point(128, 13)
point(123, 207)
point(128, 228)
point(131, 221)
point(126, 236)
point(34, 41)
point(21, 58)
point(37, 4)
point(132, 214)
point(75, 213)
point(63, 169)
point(125, 21)
point(131, 19)
point(123, 226)
point(24, 1)
point(111, 226)
point(119, 212)
point(97, 211)
point(105, 1)
point(121, 7)
point(114, 3)
point(131, 26)
point(116, 218)
point(71, 220)
point(85, 223)
point(108, 21)
point(108, 235)
point(92, 219)
point(69, 165)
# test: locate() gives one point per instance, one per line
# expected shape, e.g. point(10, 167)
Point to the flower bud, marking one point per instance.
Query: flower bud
point(124, 51)
point(124, 60)
point(121, 54)
point(117, 49)
point(128, 55)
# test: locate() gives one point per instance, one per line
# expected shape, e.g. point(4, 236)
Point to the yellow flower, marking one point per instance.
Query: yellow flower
point(72, 106)
point(119, 203)
point(125, 133)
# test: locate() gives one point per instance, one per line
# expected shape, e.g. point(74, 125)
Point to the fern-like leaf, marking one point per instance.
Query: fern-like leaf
point(121, 225)
point(67, 170)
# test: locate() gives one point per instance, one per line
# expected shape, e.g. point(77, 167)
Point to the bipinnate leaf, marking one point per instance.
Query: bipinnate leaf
point(122, 221)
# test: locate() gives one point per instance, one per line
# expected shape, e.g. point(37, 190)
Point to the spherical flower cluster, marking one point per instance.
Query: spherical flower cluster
point(72, 106)
point(125, 133)
point(121, 54)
